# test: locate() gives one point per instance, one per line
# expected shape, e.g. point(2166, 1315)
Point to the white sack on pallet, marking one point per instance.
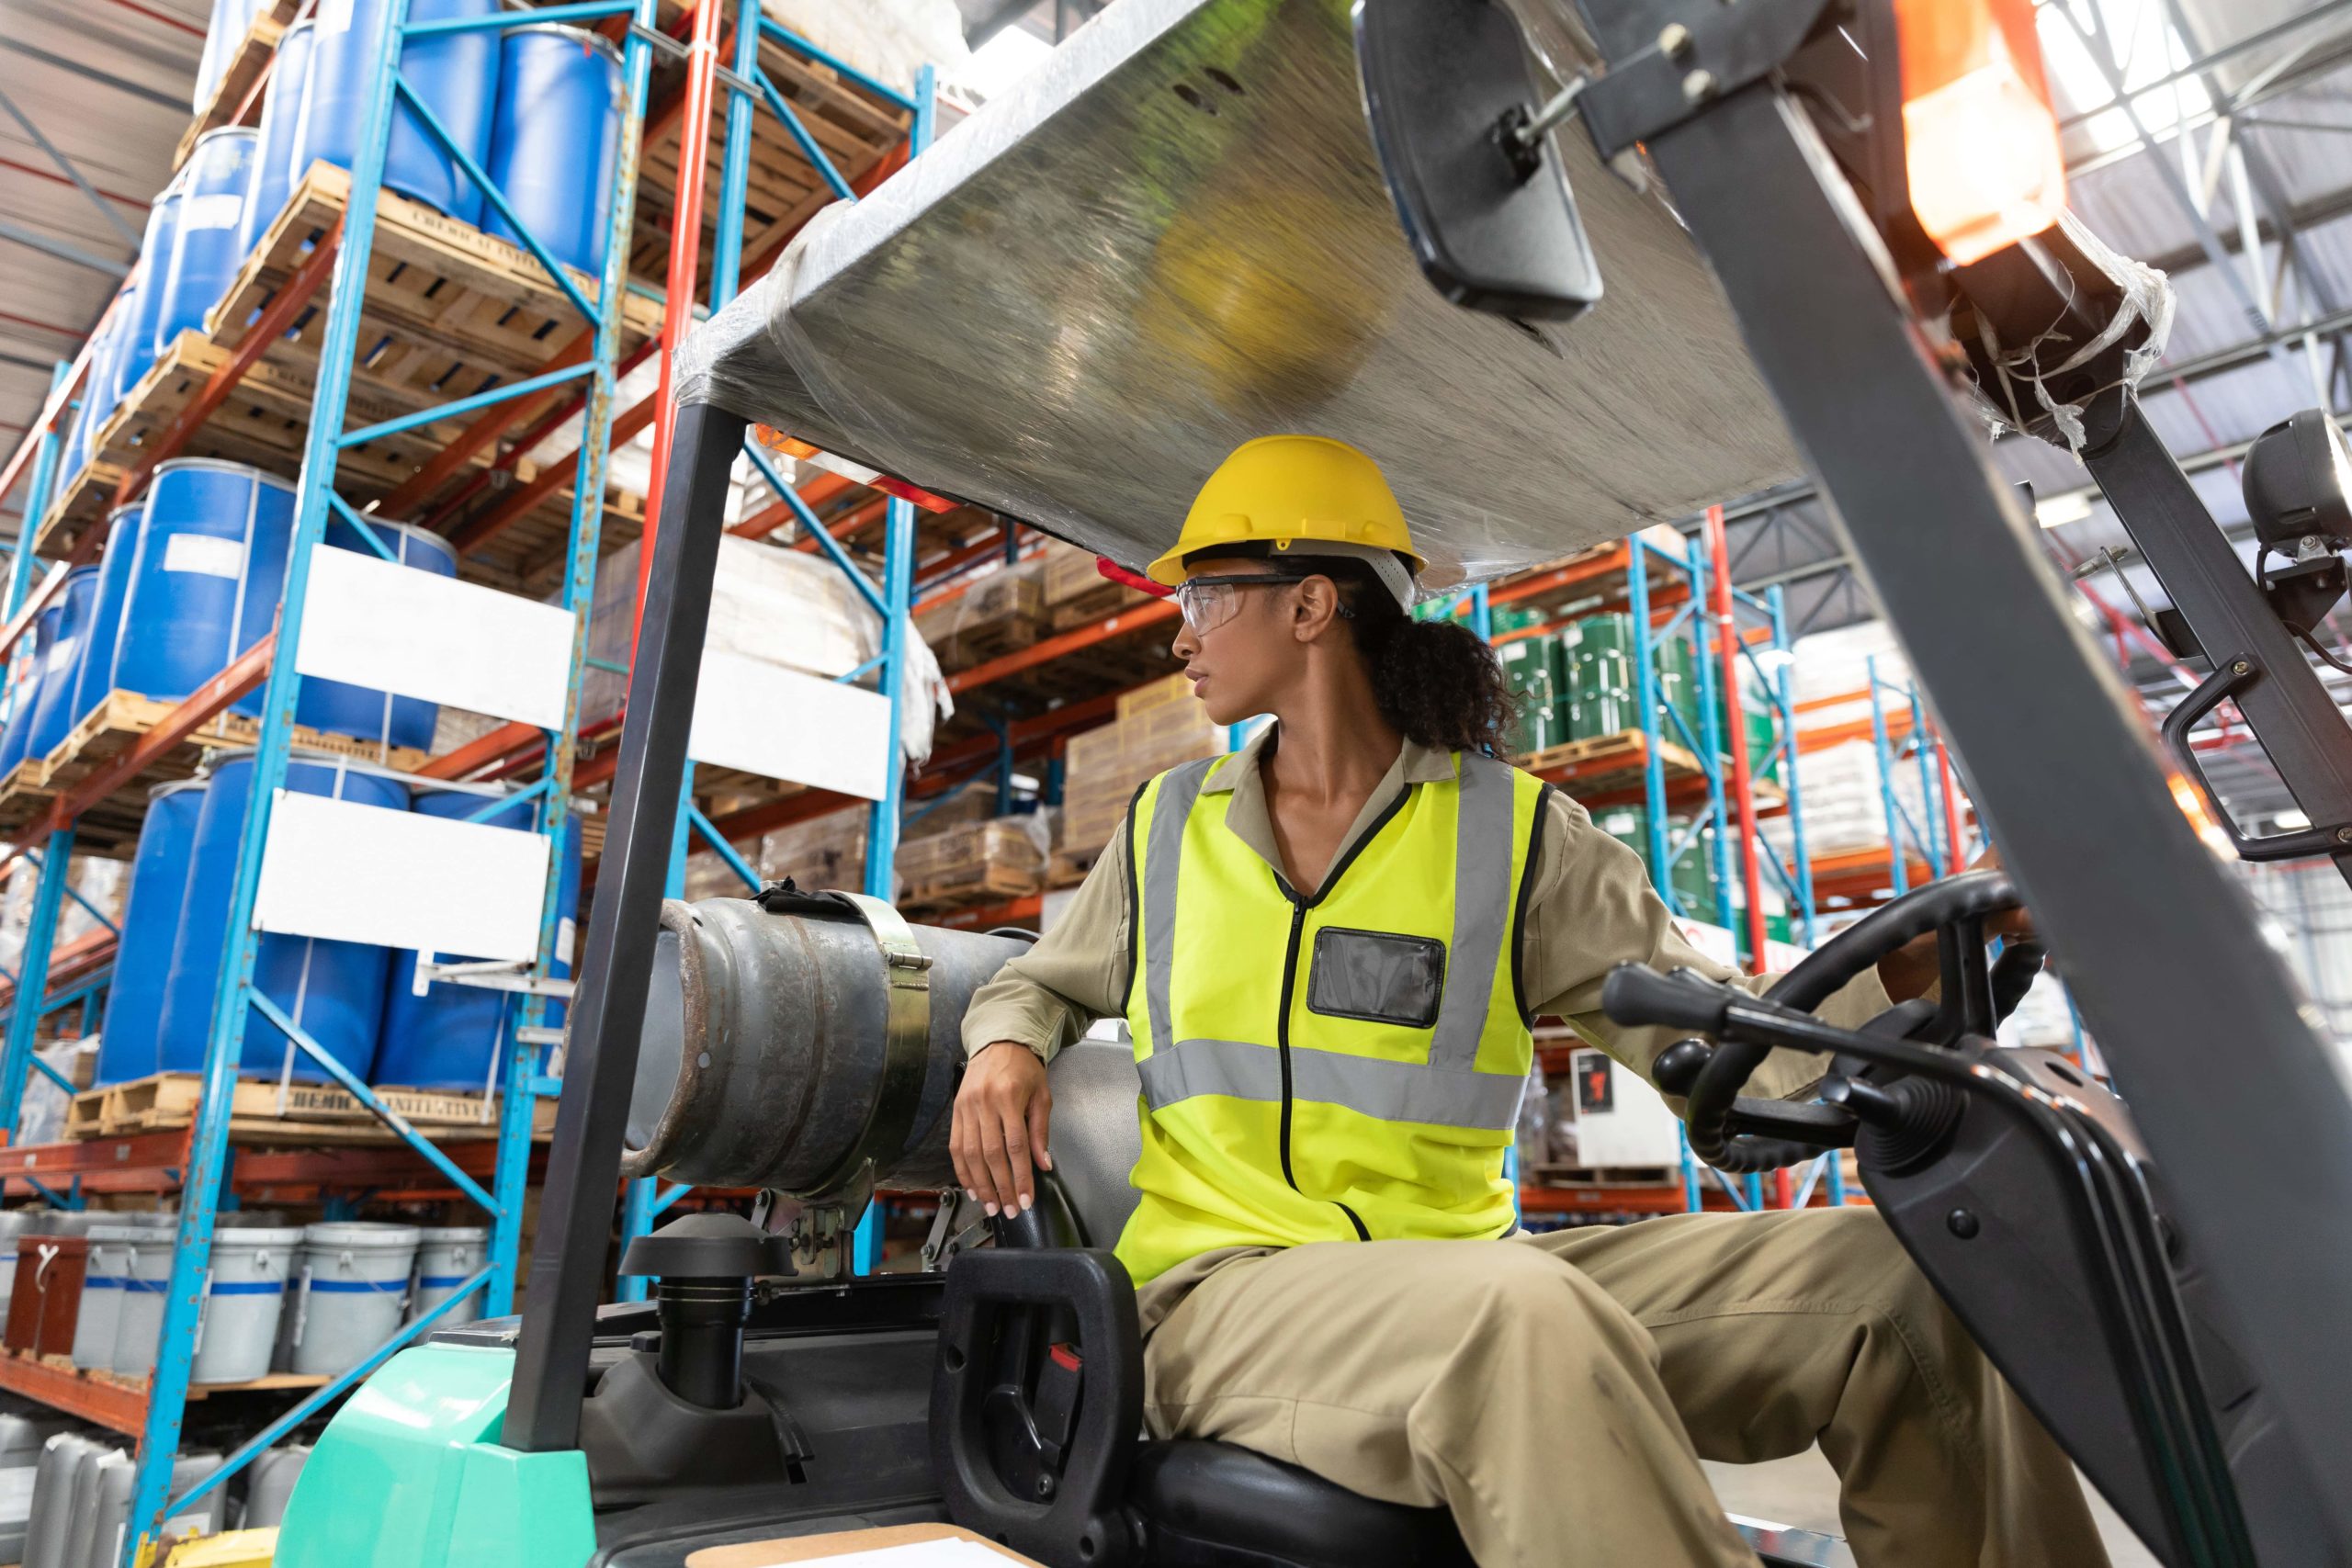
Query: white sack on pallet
point(888, 39)
point(774, 606)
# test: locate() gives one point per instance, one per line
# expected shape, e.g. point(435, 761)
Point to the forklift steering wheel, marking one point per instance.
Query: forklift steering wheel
point(1977, 994)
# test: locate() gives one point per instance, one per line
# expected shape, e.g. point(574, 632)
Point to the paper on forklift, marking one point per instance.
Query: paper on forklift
point(892, 1546)
point(1174, 236)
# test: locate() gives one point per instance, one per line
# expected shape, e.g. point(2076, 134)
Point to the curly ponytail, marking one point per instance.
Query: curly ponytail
point(1437, 681)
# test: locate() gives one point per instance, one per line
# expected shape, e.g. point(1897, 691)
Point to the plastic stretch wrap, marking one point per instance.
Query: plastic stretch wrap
point(2020, 392)
point(1173, 236)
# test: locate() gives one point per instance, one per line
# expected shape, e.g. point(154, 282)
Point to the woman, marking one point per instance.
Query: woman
point(1329, 946)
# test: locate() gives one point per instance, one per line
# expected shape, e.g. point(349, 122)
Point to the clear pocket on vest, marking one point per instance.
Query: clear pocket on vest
point(1377, 977)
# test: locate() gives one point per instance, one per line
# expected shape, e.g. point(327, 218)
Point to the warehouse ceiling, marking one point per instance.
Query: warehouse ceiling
point(2238, 144)
point(94, 96)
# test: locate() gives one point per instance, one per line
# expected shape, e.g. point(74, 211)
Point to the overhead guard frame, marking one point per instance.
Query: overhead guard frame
point(2237, 1091)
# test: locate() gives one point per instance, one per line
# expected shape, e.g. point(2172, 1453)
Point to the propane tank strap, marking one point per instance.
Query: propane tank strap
point(906, 1056)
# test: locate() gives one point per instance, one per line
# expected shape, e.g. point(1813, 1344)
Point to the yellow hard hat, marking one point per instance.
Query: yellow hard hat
point(1284, 489)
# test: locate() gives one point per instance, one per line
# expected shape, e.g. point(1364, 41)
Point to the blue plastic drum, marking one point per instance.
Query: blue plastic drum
point(206, 577)
point(555, 144)
point(450, 1037)
point(205, 254)
point(339, 708)
point(333, 990)
point(232, 20)
point(154, 259)
point(281, 116)
point(454, 75)
point(151, 923)
point(94, 677)
point(61, 663)
point(26, 686)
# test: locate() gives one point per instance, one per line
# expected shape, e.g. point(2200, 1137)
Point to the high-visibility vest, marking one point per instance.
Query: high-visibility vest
point(1342, 1065)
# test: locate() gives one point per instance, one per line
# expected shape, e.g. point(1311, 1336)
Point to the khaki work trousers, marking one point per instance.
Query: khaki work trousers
point(1557, 1391)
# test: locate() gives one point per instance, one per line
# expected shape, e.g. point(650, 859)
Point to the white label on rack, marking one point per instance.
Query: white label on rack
point(566, 932)
point(334, 17)
point(205, 556)
point(781, 724)
point(354, 872)
point(394, 629)
point(220, 211)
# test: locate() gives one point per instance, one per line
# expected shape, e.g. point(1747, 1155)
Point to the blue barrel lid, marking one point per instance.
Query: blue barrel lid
point(221, 465)
point(422, 534)
point(175, 785)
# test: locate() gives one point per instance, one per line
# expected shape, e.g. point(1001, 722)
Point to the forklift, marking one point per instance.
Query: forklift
point(2159, 1271)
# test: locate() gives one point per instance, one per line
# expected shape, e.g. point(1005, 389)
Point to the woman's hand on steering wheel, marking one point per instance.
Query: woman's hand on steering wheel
point(1911, 969)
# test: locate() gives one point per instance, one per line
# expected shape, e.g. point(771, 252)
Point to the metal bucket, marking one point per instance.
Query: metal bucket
point(555, 140)
point(26, 686)
point(244, 1297)
point(456, 76)
point(354, 1292)
point(281, 117)
point(94, 673)
point(146, 1277)
point(103, 1285)
point(207, 578)
point(110, 1504)
point(338, 707)
point(270, 1483)
point(61, 663)
point(334, 990)
point(765, 1052)
point(128, 1047)
point(205, 254)
point(449, 1036)
point(447, 1257)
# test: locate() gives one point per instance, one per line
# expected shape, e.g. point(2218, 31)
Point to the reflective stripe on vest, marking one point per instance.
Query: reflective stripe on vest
point(1348, 1063)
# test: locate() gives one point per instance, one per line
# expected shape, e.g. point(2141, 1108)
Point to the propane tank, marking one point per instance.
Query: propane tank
point(803, 1043)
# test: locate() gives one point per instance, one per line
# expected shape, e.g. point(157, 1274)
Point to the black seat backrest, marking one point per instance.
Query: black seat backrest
point(1096, 1137)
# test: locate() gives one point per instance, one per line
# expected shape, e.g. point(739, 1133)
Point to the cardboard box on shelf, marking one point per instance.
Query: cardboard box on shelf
point(1076, 589)
point(821, 852)
point(974, 863)
point(994, 614)
point(1157, 693)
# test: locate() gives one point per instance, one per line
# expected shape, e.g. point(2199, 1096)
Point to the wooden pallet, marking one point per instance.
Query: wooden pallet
point(110, 828)
point(301, 1113)
point(1068, 868)
point(990, 881)
point(22, 798)
point(1602, 762)
point(246, 63)
point(1107, 599)
point(856, 129)
point(244, 67)
point(450, 311)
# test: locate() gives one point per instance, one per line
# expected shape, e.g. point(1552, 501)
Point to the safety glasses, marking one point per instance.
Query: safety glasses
point(1207, 603)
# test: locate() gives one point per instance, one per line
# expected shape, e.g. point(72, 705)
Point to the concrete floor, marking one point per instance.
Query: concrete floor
point(1803, 1492)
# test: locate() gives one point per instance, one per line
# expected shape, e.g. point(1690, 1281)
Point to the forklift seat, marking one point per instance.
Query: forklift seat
point(1215, 1505)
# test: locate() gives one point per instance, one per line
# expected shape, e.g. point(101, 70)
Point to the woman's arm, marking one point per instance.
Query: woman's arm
point(1036, 1004)
point(1592, 907)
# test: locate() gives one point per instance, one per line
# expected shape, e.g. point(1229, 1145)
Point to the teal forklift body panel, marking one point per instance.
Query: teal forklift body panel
point(409, 1474)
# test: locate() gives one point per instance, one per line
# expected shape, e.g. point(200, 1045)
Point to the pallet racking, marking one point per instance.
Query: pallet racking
point(276, 379)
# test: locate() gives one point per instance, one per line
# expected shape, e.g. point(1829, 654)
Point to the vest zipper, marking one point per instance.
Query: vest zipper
point(1282, 1047)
